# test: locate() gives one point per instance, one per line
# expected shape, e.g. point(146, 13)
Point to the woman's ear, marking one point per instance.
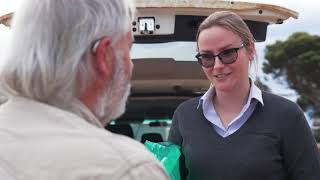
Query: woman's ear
point(251, 50)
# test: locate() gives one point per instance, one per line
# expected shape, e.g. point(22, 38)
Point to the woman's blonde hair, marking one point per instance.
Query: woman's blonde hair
point(234, 23)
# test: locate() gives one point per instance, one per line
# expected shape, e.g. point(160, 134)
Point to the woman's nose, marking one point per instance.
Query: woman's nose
point(218, 63)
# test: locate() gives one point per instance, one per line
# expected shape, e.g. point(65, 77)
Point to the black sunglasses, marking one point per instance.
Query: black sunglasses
point(227, 56)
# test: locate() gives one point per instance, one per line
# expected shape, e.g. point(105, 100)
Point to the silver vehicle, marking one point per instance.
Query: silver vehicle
point(166, 72)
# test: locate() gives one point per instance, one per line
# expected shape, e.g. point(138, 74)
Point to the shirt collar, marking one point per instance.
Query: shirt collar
point(255, 93)
point(83, 111)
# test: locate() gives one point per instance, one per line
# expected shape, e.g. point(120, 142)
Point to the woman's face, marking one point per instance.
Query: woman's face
point(225, 77)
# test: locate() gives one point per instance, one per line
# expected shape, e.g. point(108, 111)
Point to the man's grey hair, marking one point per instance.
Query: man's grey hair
point(50, 44)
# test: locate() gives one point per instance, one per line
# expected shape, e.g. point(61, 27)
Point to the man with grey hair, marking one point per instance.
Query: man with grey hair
point(67, 74)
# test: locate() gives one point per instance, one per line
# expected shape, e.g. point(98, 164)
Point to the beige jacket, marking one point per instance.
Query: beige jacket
point(41, 142)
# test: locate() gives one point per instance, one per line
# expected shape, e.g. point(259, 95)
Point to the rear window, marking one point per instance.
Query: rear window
point(179, 51)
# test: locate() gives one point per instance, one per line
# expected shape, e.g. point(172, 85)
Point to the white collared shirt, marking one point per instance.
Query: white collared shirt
point(211, 115)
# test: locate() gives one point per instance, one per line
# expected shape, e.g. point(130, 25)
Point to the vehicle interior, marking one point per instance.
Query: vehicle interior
point(158, 87)
point(165, 70)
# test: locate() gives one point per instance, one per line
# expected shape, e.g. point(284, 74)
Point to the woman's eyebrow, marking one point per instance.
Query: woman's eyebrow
point(225, 47)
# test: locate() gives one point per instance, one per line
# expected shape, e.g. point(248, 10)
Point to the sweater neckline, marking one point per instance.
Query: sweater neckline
point(236, 134)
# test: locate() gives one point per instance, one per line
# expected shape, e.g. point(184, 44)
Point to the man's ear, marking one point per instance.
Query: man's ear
point(104, 59)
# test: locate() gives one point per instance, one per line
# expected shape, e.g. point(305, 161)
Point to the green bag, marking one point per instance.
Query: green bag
point(168, 154)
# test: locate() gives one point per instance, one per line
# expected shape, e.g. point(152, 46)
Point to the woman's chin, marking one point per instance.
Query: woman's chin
point(223, 87)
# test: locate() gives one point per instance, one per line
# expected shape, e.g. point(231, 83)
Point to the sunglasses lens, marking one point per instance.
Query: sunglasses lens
point(206, 60)
point(229, 56)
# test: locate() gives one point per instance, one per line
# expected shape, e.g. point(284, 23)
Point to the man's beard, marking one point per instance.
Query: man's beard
point(112, 102)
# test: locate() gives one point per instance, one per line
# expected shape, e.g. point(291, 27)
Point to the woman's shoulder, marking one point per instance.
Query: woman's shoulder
point(192, 103)
point(271, 99)
point(280, 105)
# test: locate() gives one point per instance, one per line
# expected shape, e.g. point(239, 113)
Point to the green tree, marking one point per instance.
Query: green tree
point(298, 60)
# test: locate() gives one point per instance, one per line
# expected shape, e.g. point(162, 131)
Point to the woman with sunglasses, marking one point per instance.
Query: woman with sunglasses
point(235, 131)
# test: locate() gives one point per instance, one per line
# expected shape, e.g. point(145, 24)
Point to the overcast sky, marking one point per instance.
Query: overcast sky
point(308, 21)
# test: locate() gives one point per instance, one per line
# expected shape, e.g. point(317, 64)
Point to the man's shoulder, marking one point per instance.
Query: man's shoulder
point(85, 151)
point(126, 148)
point(79, 145)
point(130, 156)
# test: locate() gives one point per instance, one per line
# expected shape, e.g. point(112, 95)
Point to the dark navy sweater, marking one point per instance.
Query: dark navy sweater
point(274, 144)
